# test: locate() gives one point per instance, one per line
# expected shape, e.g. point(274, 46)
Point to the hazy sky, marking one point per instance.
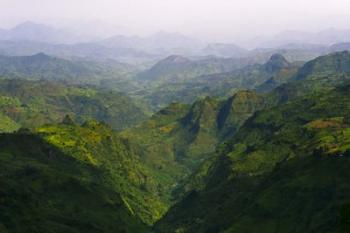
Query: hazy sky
point(210, 18)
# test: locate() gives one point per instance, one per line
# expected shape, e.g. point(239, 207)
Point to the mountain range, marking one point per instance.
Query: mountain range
point(283, 170)
point(29, 104)
point(216, 139)
point(29, 38)
point(42, 66)
point(182, 80)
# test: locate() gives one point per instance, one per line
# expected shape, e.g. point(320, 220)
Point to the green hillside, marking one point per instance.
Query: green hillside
point(175, 68)
point(221, 84)
point(286, 169)
point(33, 103)
point(261, 149)
point(46, 190)
point(98, 145)
point(42, 66)
point(176, 140)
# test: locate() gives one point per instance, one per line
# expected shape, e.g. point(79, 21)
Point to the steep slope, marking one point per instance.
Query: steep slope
point(335, 63)
point(320, 74)
point(45, 190)
point(177, 139)
point(33, 103)
point(250, 77)
point(286, 170)
point(98, 145)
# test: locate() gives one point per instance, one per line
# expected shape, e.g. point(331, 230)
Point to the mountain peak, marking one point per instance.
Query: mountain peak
point(40, 56)
point(276, 63)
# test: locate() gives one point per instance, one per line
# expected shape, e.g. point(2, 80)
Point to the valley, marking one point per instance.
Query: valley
point(167, 134)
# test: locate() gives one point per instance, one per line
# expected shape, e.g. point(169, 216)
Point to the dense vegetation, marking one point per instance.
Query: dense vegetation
point(42, 66)
point(45, 190)
point(178, 83)
point(98, 145)
point(177, 139)
point(284, 171)
point(33, 103)
point(273, 159)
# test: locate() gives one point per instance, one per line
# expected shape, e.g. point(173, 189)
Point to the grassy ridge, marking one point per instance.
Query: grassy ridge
point(46, 190)
point(34, 103)
point(97, 145)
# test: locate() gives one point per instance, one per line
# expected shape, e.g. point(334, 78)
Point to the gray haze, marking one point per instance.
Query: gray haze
point(213, 20)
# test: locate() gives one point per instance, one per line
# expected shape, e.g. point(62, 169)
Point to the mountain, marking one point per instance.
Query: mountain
point(119, 160)
point(33, 103)
point(177, 139)
point(87, 51)
point(279, 167)
point(140, 166)
point(282, 157)
point(180, 79)
point(42, 66)
point(285, 170)
point(36, 37)
point(319, 75)
point(336, 63)
point(250, 147)
point(31, 31)
point(171, 68)
point(276, 63)
point(77, 178)
point(46, 190)
point(168, 88)
point(176, 69)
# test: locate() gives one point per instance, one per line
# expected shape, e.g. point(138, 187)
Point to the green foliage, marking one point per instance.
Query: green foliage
point(7, 124)
point(42, 66)
point(272, 162)
point(336, 63)
point(175, 141)
point(284, 171)
point(96, 145)
point(179, 84)
point(34, 103)
point(43, 189)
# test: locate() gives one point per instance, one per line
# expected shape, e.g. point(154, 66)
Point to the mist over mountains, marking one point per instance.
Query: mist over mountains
point(29, 38)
